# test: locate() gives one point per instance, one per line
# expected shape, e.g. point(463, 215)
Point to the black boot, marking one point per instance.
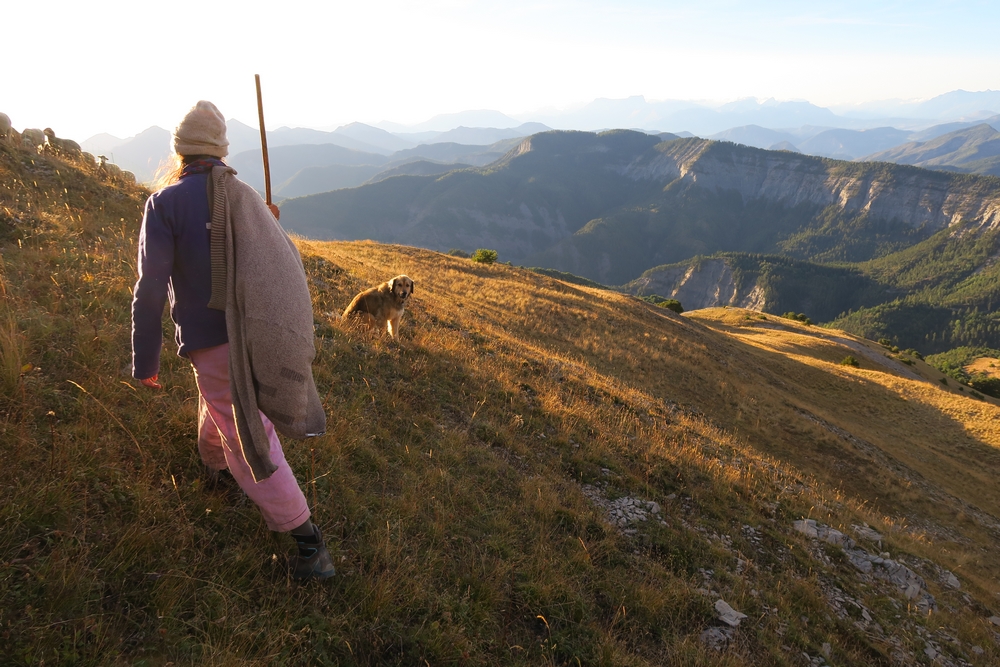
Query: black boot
point(313, 560)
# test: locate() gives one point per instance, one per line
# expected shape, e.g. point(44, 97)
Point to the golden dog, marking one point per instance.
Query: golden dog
point(382, 304)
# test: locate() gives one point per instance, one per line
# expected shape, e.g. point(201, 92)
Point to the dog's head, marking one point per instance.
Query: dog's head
point(401, 287)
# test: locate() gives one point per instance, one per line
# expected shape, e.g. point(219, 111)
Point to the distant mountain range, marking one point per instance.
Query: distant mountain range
point(303, 169)
point(144, 153)
point(795, 126)
point(842, 143)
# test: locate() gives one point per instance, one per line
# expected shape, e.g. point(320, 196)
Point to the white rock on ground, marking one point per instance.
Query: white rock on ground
point(806, 526)
point(867, 533)
point(882, 567)
point(727, 614)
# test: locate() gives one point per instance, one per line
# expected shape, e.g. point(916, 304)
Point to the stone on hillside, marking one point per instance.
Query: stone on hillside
point(716, 638)
point(860, 560)
point(867, 533)
point(807, 527)
point(835, 537)
point(995, 620)
point(950, 580)
point(727, 614)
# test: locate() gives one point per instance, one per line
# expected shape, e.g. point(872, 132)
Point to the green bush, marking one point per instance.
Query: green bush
point(887, 344)
point(664, 302)
point(849, 361)
point(798, 317)
point(484, 256)
point(455, 252)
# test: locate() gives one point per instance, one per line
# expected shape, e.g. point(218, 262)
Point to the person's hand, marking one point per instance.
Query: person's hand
point(151, 382)
point(274, 211)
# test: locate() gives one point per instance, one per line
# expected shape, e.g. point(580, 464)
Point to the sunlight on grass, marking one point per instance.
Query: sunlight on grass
point(456, 481)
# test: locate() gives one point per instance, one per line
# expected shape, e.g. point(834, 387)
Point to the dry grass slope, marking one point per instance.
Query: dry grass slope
point(454, 478)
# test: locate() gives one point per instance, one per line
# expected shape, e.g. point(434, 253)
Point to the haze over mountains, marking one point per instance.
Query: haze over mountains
point(843, 133)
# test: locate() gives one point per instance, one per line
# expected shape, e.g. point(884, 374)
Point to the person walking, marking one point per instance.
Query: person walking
point(243, 321)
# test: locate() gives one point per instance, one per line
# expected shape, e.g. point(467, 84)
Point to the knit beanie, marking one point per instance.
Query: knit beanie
point(202, 132)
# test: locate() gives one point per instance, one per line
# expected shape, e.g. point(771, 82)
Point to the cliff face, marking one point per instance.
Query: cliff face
point(914, 197)
point(703, 284)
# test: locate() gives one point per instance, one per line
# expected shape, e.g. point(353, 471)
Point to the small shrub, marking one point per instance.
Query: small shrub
point(944, 381)
point(664, 302)
point(455, 252)
point(849, 361)
point(914, 353)
point(484, 256)
point(887, 344)
point(798, 317)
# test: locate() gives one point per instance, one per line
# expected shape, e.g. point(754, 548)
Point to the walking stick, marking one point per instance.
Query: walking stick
point(263, 143)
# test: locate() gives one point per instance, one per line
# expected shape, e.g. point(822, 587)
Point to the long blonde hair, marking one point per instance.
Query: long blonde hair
point(169, 171)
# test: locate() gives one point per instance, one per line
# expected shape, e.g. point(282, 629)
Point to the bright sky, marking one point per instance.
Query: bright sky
point(120, 66)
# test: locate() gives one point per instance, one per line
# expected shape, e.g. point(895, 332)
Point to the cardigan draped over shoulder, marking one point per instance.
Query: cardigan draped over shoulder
point(258, 278)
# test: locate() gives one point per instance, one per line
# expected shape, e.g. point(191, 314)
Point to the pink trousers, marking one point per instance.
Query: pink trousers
point(279, 497)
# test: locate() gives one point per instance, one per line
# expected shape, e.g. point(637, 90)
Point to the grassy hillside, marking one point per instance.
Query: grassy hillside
point(472, 472)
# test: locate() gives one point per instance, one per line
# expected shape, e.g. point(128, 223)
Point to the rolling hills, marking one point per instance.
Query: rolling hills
point(536, 473)
point(973, 150)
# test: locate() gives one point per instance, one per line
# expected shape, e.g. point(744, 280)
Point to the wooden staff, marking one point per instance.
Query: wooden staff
point(263, 143)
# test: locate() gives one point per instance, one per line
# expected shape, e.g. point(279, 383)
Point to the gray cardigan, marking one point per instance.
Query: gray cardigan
point(258, 279)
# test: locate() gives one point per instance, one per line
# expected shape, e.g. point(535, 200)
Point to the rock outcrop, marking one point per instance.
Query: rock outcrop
point(701, 284)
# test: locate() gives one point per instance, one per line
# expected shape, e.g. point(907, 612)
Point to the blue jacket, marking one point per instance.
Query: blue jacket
point(174, 264)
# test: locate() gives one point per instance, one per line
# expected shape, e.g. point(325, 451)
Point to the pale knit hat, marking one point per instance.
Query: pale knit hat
point(202, 132)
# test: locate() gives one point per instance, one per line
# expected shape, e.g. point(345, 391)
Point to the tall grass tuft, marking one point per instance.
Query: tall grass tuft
point(11, 342)
point(11, 354)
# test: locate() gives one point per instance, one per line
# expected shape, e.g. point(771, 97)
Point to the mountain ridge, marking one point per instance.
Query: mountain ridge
point(632, 190)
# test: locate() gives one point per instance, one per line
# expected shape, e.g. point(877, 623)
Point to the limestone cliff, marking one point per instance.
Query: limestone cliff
point(702, 284)
point(915, 197)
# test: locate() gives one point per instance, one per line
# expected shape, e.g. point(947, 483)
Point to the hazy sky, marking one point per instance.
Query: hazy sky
point(120, 66)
